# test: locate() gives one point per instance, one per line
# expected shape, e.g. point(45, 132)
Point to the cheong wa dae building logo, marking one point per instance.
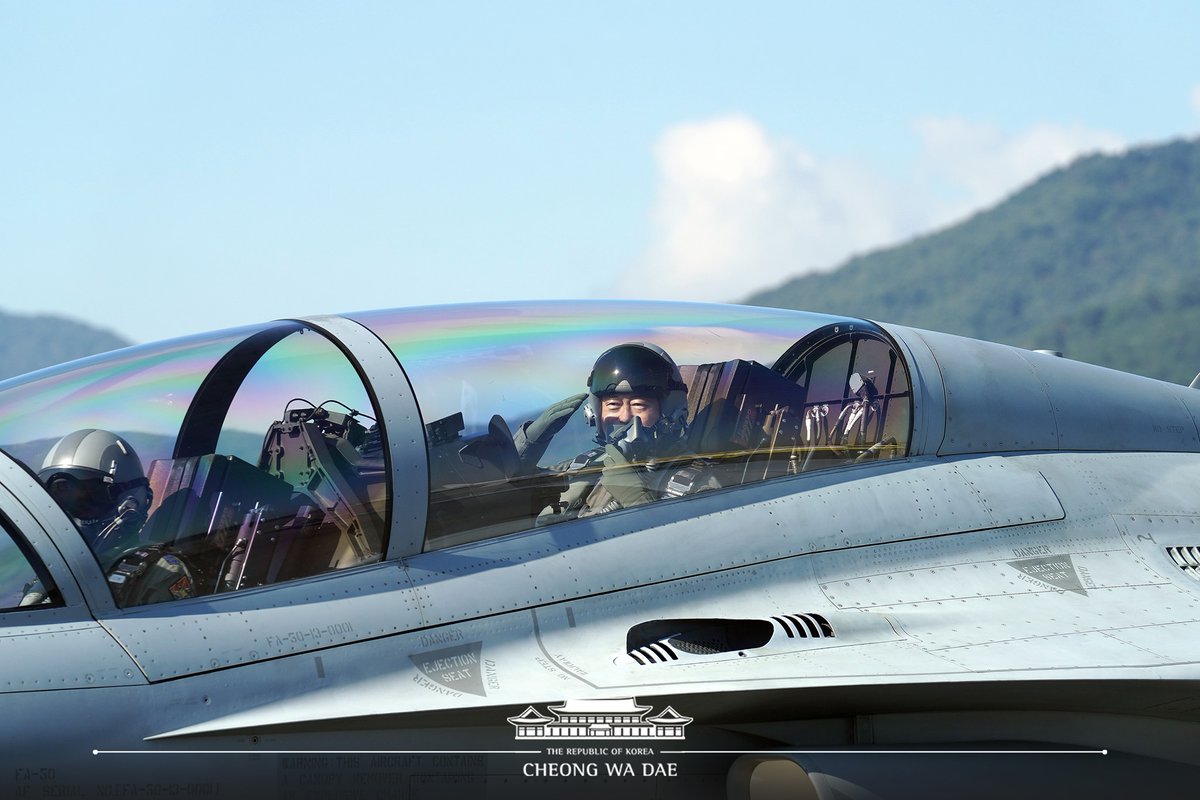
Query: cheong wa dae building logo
point(600, 719)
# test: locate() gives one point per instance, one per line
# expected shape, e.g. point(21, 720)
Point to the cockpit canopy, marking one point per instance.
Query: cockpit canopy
point(294, 448)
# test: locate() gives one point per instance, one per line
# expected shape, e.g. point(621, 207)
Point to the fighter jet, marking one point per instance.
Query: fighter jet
point(590, 548)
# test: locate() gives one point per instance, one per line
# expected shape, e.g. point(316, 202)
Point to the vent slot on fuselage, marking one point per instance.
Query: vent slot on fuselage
point(701, 636)
point(661, 641)
point(1187, 558)
point(805, 626)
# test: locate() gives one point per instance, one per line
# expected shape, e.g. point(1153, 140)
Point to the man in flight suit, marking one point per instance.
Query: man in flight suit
point(638, 402)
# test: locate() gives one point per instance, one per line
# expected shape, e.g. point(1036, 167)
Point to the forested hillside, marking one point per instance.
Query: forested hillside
point(1100, 260)
point(32, 342)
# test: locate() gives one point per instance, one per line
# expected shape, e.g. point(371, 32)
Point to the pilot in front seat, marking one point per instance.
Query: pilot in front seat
point(97, 478)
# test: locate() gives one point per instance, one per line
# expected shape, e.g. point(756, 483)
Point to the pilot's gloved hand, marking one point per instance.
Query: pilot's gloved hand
point(622, 480)
point(631, 441)
point(534, 437)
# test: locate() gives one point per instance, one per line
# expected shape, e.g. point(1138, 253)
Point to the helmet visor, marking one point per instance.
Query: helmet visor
point(630, 368)
point(82, 498)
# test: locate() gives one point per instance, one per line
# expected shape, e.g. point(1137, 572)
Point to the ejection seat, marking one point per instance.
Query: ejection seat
point(341, 492)
point(200, 508)
point(744, 419)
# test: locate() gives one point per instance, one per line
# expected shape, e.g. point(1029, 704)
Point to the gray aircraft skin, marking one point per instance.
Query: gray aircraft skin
point(893, 563)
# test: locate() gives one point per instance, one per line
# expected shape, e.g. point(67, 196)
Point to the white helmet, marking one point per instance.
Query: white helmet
point(89, 470)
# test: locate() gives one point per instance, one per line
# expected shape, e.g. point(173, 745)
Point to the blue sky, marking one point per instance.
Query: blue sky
point(173, 167)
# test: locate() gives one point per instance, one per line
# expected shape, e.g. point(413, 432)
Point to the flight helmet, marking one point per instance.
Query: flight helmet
point(90, 471)
point(639, 368)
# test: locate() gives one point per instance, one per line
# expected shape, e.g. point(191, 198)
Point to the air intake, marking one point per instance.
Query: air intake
point(663, 641)
point(805, 626)
point(1187, 559)
point(653, 653)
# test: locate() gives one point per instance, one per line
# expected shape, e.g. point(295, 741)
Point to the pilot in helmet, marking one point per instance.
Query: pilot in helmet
point(96, 477)
point(637, 401)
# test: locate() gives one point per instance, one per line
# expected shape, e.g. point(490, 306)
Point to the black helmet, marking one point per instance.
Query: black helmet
point(639, 368)
point(87, 471)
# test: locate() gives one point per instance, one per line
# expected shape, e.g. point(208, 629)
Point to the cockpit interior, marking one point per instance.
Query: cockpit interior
point(276, 452)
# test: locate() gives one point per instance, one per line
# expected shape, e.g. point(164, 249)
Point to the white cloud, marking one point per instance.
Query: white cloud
point(739, 210)
point(970, 166)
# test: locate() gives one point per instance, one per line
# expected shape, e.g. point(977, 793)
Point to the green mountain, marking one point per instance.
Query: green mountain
point(32, 342)
point(1100, 260)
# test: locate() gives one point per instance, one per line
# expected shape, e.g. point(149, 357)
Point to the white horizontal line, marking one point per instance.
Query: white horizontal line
point(868, 752)
point(256, 752)
point(857, 752)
